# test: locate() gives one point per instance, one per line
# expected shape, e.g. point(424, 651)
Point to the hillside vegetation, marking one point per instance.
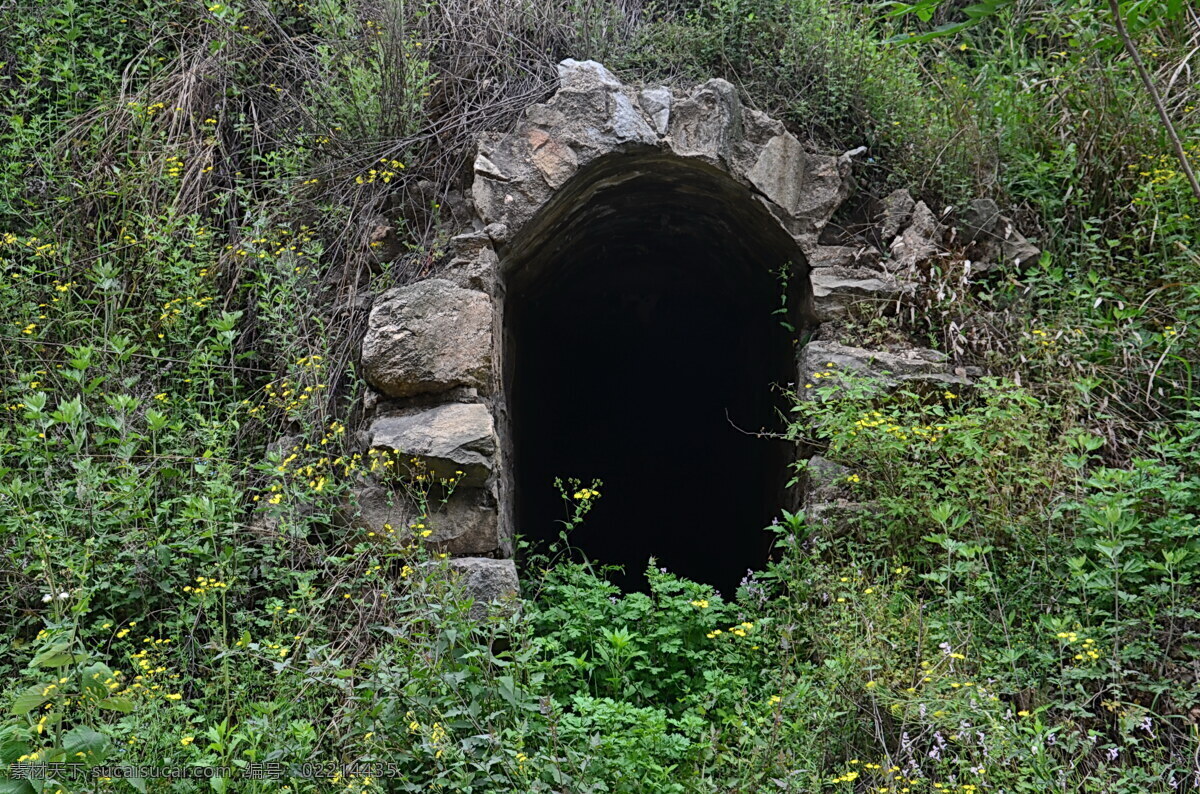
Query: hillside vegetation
point(194, 201)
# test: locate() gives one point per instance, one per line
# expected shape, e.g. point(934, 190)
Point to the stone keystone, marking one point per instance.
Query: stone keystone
point(429, 337)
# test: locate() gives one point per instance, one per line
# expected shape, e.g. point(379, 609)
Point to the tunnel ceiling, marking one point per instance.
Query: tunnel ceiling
point(627, 205)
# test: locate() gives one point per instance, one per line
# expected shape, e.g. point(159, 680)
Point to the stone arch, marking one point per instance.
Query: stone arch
point(626, 221)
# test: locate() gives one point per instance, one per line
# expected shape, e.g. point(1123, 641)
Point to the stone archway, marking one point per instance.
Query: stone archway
point(644, 233)
point(650, 222)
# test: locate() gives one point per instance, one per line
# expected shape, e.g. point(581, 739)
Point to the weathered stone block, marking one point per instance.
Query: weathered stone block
point(656, 103)
point(921, 240)
point(466, 524)
point(779, 171)
point(487, 581)
point(474, 272)
point(839, 517)
point(429, 337)
point(556, 161)
point(891, 368)
point(897, 213)
point(993, 239)
point(824, 479)
point(446, 439)
point(827, 183)
point(843, 256)
point(707, 123)
point(836, 289)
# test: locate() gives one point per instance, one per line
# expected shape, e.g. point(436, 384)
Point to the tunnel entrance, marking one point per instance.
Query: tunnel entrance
point(643, 332)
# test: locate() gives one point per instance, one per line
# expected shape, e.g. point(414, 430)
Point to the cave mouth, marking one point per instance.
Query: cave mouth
point(643, 335)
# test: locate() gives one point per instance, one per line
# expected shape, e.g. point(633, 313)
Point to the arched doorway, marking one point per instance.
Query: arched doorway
point(644, 325)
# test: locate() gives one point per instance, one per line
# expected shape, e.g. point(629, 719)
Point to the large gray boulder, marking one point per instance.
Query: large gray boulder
point(445, 439)
point(431, 336)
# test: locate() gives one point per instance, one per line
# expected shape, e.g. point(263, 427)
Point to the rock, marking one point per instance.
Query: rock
point(384, 244)
point(1015, 249)
point(628, 124)
point(465, 524)
point(757, 131)
point(656, 102)
point(779, 172)
point(824, 479)
point(992, 239)
point(360, 440)
point(448, 438)
point(838, 517)
point(497, 233)
point(979, 220)
point(576, 75)
point(459, 205)
point(827, 183)
point(707, 123)
point(845, 256)
point(370, 402)
point(556, 160)
point(469, 244)
point(897, 213)
point(809, 187)
point(918, 242)
point(487, 581)
point(485, 167)
point(507, 187)
point(836, 289)
point(429, 337)
point(477, 272)
point(890, 368)
point(591, 114)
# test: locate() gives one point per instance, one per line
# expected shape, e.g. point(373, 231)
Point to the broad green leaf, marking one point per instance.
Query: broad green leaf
point(57, 656)
point(11, 750)
point(83, 739)
point(124, 705)
point(33, 697)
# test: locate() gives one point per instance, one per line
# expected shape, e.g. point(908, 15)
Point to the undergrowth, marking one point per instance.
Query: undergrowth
point(194, 200)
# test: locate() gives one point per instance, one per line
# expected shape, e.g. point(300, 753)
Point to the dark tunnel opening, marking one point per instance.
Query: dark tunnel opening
point(642, 343)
